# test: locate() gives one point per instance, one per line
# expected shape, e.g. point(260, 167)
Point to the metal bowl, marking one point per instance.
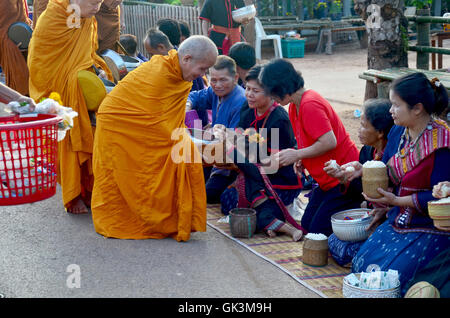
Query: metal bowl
point(244, 13)
point(115, 64)
point(350, 225)
point(130, 62)
point(350, 291)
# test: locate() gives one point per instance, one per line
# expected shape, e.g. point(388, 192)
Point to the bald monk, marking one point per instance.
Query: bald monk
point(140, 192)
point(58, 51)
point(12, 60)
point(108, 20)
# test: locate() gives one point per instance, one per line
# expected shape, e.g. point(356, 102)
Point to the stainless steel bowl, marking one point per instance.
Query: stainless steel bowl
point(130, 62)
point(350, 291)
point(350, 225)
point(244, 13)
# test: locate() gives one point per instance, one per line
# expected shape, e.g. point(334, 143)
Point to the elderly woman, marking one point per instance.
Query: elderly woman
point(408, 240)
point(268, 192)
point(321, 137)
point(376, 123)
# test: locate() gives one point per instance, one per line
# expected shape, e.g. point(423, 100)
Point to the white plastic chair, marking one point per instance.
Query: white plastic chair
point(261, 35)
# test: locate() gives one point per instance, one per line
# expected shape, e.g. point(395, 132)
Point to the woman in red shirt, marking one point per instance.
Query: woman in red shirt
point(321, 137)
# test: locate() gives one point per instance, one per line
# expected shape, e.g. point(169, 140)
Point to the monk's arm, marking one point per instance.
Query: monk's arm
point(8, 95)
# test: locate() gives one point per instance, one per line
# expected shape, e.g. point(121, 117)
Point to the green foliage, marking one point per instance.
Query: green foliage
point(419, 4)
point(335, 6)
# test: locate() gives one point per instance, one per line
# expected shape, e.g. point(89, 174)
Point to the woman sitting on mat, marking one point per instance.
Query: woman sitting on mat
point(268, 192)
point(321, 137)
point(407, 240)
point(376, 122)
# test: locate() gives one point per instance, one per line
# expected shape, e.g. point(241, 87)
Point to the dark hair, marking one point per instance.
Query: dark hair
point(279, 78)
point(225, 62)
point(415, 88)
point(377, 113)
point(253, 74)
point(129, 43)
point(184, 29)
point(171, 28)
point(243, 54)
point(156, 37)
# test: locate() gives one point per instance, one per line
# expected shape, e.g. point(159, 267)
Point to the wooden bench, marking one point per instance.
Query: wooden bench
point(323, 28)
point(384, 77)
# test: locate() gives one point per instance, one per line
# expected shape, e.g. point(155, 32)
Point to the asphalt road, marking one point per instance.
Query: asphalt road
point(48, 253)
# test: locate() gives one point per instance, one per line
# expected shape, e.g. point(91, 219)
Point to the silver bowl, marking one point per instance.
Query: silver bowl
point(244, 13)
point(350, 291)
point(353, 229)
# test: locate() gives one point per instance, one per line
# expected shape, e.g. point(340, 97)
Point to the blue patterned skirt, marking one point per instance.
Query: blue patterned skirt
point(407, 253)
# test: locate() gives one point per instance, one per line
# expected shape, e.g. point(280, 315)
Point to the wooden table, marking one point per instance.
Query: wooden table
point(384, 77)
point(440, 36)
point(324, 27)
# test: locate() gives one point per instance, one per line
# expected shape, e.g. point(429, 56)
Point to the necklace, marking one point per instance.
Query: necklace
point(404, 140)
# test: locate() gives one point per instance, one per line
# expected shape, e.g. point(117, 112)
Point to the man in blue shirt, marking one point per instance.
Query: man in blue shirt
point(225, 98)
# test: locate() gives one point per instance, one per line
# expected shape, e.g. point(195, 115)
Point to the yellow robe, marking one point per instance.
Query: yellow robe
point(57, 52)
point(139, 191)
point(12, 60)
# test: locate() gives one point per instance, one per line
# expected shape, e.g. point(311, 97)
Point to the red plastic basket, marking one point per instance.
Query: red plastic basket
point(28, 154)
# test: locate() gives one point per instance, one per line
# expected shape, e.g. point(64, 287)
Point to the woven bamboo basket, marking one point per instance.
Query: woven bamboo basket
point(372, 179)
point(315, 252)
point(242, 222)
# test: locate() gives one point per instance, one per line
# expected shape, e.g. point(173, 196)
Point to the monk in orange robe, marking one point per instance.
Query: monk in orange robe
point(108, 21)
point(141, 189)
point(12, 60)
point(64, 43)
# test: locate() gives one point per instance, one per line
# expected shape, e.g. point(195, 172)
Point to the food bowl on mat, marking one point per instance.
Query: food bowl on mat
point(350, 291)
point(242, 222)
point(244, 13)
point(350, 225)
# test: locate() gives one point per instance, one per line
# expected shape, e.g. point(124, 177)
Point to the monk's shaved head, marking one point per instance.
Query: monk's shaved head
point(196, 55)
point(198, 47)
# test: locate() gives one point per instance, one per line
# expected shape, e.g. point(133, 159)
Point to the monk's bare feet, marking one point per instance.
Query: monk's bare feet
point(78, 207)
point(271, 233)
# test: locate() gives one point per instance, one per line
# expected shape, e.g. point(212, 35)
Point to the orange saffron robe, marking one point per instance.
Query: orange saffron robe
point(58, 50)
point(140, 191)
point(108, 22)
point(12, 60)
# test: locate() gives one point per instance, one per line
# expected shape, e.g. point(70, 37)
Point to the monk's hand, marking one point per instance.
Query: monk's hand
point(379, 215)
point(287, 157)
point(387, 199)
point(29, 101)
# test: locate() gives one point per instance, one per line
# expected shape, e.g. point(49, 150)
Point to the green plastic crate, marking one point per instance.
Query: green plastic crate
point(293, 48)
